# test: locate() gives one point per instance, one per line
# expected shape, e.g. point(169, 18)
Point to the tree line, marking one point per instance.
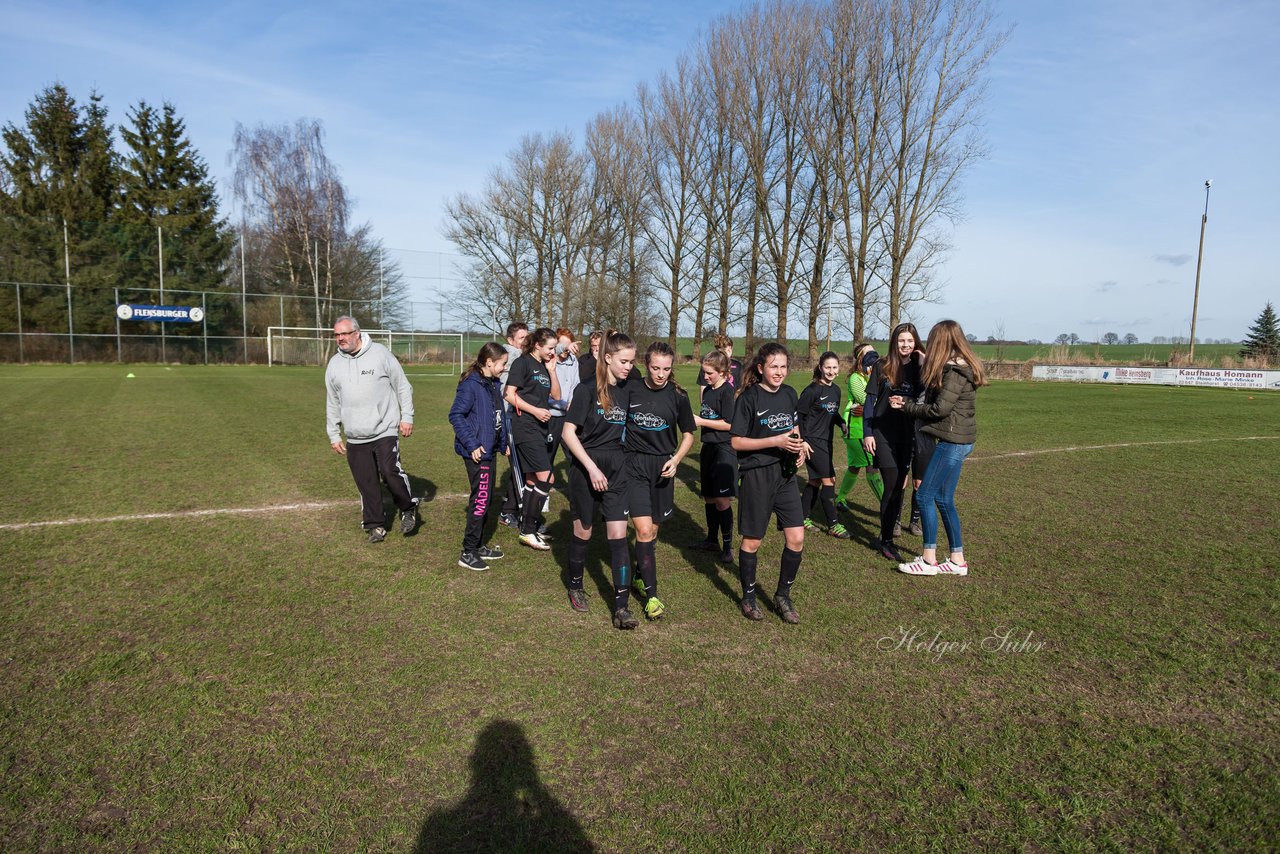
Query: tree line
point(84, 208)
point(800, 160)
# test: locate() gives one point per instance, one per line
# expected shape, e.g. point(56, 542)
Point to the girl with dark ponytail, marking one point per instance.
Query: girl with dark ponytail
point(766, 436)
point(656, 407)
point(593, 432)
point(531, 384)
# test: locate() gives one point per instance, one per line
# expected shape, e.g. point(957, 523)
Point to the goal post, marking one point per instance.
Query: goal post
point(441, 353)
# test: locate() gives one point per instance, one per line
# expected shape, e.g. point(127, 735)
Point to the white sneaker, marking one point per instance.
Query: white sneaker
point(918, 567)
point(949, 568)
point(533, 541)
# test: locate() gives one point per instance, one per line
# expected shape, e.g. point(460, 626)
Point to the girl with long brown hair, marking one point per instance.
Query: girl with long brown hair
point(888, 433)
point(593, 433)
point(952, 376)
point(766, 435)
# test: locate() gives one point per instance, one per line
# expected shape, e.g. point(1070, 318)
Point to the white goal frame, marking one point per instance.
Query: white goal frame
point(399, 342)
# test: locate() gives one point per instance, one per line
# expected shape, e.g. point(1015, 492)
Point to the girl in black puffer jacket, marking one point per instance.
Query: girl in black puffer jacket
point(951, 377)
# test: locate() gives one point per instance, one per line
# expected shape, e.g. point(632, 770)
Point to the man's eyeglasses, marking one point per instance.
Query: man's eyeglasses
point(346, 334)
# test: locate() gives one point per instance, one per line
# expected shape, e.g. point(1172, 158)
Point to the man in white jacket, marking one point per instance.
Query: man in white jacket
point(370, 397)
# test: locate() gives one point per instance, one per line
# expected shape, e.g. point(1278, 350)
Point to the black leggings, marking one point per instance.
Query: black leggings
point(893, 459)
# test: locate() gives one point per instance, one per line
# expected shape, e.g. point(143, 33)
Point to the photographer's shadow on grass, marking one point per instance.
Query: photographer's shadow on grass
point(507, 808)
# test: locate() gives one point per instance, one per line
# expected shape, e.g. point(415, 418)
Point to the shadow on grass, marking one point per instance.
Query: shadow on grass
point(507, 808)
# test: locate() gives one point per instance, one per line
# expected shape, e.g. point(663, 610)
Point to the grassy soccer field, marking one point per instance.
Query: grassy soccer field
point(265, 679)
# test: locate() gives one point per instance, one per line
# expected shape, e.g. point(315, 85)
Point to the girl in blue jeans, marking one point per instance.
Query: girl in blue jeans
point(951, 376)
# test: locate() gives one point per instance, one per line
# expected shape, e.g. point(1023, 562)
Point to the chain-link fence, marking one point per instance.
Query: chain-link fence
point(69, 323)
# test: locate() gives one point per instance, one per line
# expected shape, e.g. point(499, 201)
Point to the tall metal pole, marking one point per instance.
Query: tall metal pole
point(381, 310)
point(164, 350)
point(66, 260)
point(244, 302)
point(1195, 302)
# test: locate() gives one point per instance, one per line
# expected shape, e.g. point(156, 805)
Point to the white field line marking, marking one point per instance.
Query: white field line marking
point(455, 496)
point(1119, 445)
point(195, 514)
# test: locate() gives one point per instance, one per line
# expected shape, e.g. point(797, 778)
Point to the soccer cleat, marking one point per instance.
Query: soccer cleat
point(542, 532)
point(897, 529)
point(887, 550)
point(840, 532)
point(704, 546)
point(378, 534)
point(577, 599)
point(622, 619)
point(490, 553)
point(810, 525)
point(409, 520)
point(843, 506)
point(918, 567)
point(915, 527)
point(533, 541)
point(637, 587)
point(653, 609)
point(471, 560)
point(751, 610)
point(509, 519)
point(725, 556)
point(951, 568)
point(786, 609)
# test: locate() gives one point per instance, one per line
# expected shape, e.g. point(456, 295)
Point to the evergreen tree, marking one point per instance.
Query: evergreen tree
point(57, 206)
point(166, 185)
point(1263, 341)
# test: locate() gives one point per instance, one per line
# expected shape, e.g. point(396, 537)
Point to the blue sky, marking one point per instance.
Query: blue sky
point(1103, 121)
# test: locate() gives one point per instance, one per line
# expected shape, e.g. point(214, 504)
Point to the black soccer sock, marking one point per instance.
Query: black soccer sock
point(577, 560)
point(647, 567)
point(915, 507)
point(828, 496)
point(713, 521)
point(533, 498)
point(807, 498)
point(747, 574)
point(619, 562)
point(726, 526)
point(790, 568)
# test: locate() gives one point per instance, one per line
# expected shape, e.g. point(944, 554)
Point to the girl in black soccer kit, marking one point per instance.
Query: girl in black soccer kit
point(479, 438)
point(593, 434)
point(656, 406)
point(531, 383)
point(819, 410)
point(766, 436)
point(889, 433)
point(718, 460)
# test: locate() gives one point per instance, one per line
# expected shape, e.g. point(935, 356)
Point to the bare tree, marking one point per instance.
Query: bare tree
point(856, 72)
point(939, 51)
point(292, 195)
point(669, 116)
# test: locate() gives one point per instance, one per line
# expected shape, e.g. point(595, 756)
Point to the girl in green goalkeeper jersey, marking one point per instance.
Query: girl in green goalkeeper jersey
point(864, 356)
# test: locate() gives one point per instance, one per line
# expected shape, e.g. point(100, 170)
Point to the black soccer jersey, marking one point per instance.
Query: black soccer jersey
point(761, 414)
point(532, 383)
point(819, 411)
point(597, 428)
point(717, 404)
point(653, 415)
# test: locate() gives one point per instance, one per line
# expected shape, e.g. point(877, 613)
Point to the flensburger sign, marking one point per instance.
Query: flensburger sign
point(162, 313)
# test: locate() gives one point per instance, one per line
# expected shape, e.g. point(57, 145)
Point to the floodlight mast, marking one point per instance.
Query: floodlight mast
point(1195, 301)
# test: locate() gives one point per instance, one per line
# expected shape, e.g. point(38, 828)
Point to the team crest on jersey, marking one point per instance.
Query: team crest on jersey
point(778, 421)
point(648, 421)
point(708, 412)
point(543, 380)
point(615, 415)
